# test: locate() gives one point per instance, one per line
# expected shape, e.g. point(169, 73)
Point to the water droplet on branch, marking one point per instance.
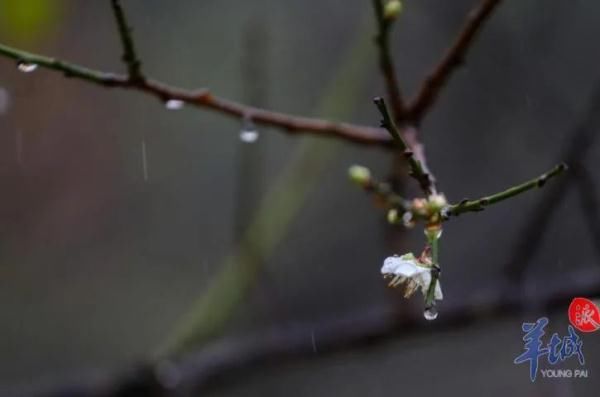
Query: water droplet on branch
point(430, 313)
point(249, 135)
point(26, 67)
point(174, 104)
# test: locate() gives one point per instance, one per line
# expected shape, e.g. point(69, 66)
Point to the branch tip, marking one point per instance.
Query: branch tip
point(129, 57)
point(466, 205)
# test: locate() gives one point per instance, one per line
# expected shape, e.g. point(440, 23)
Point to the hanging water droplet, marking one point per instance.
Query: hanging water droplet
point(26, 67)
point(249, 135)
point(430, 313)
point(174, 104)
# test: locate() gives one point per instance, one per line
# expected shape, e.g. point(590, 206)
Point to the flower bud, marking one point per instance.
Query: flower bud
point(408, 220)
point(437, 202)
point(392, 9)
point(392, 216)
point(359, 174)
point(420, 206)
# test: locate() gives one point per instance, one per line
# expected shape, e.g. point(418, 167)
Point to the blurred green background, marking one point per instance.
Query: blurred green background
point(99, 267)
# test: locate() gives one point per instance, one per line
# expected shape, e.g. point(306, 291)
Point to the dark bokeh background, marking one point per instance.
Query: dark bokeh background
point(98, 265)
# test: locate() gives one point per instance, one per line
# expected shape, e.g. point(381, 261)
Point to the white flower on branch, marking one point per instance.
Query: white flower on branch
point(412, 272)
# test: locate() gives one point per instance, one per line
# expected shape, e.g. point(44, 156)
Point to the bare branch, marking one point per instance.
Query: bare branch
point(480, 204)
point(129, 54)
point(386, 62)
point(452, 59)
point(418, 168)
point(204, 99)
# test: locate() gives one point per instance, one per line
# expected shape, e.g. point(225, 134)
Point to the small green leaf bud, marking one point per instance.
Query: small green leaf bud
point(392, 216)
point(392, 9)
point(359, 174)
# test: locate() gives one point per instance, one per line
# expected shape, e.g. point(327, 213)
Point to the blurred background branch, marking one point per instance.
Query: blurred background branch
point(452, 59)
point(221, 360)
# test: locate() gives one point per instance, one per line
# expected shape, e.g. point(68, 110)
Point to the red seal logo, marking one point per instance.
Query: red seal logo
point(584, 315)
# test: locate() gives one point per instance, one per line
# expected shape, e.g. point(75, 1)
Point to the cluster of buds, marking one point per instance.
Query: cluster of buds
point(413, 273)
point(429, 210)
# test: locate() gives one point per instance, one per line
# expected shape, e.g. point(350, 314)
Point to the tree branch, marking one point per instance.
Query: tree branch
point(418, 167)
point(386, 63)
point(129, 54)
point(480, 204)
point(204, 99)
point(452, 59)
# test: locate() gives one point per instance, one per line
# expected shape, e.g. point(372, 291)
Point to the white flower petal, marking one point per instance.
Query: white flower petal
point(406, 269)
point(405, 265)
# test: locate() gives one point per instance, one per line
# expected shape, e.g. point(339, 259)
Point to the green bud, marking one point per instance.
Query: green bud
point(392, 216)
point(359, 174)
point(392, 9)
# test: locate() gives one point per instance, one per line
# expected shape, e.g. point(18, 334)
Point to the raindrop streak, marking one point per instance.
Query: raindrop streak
point(144, 161)
point(430, 313)
point(19, 147)
point(174, 104)
point(4, 100)
point(26, 67)
point(314, 341)
point(249, 135)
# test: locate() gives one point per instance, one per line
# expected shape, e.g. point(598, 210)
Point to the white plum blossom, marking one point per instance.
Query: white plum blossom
point(407, 269)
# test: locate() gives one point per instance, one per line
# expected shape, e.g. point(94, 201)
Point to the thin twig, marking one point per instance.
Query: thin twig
point(129, 54)
point(386, 63)
point(452, 59)
point(480, 204)
point(204, 99)
point(385, 195)
point(418, 168)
